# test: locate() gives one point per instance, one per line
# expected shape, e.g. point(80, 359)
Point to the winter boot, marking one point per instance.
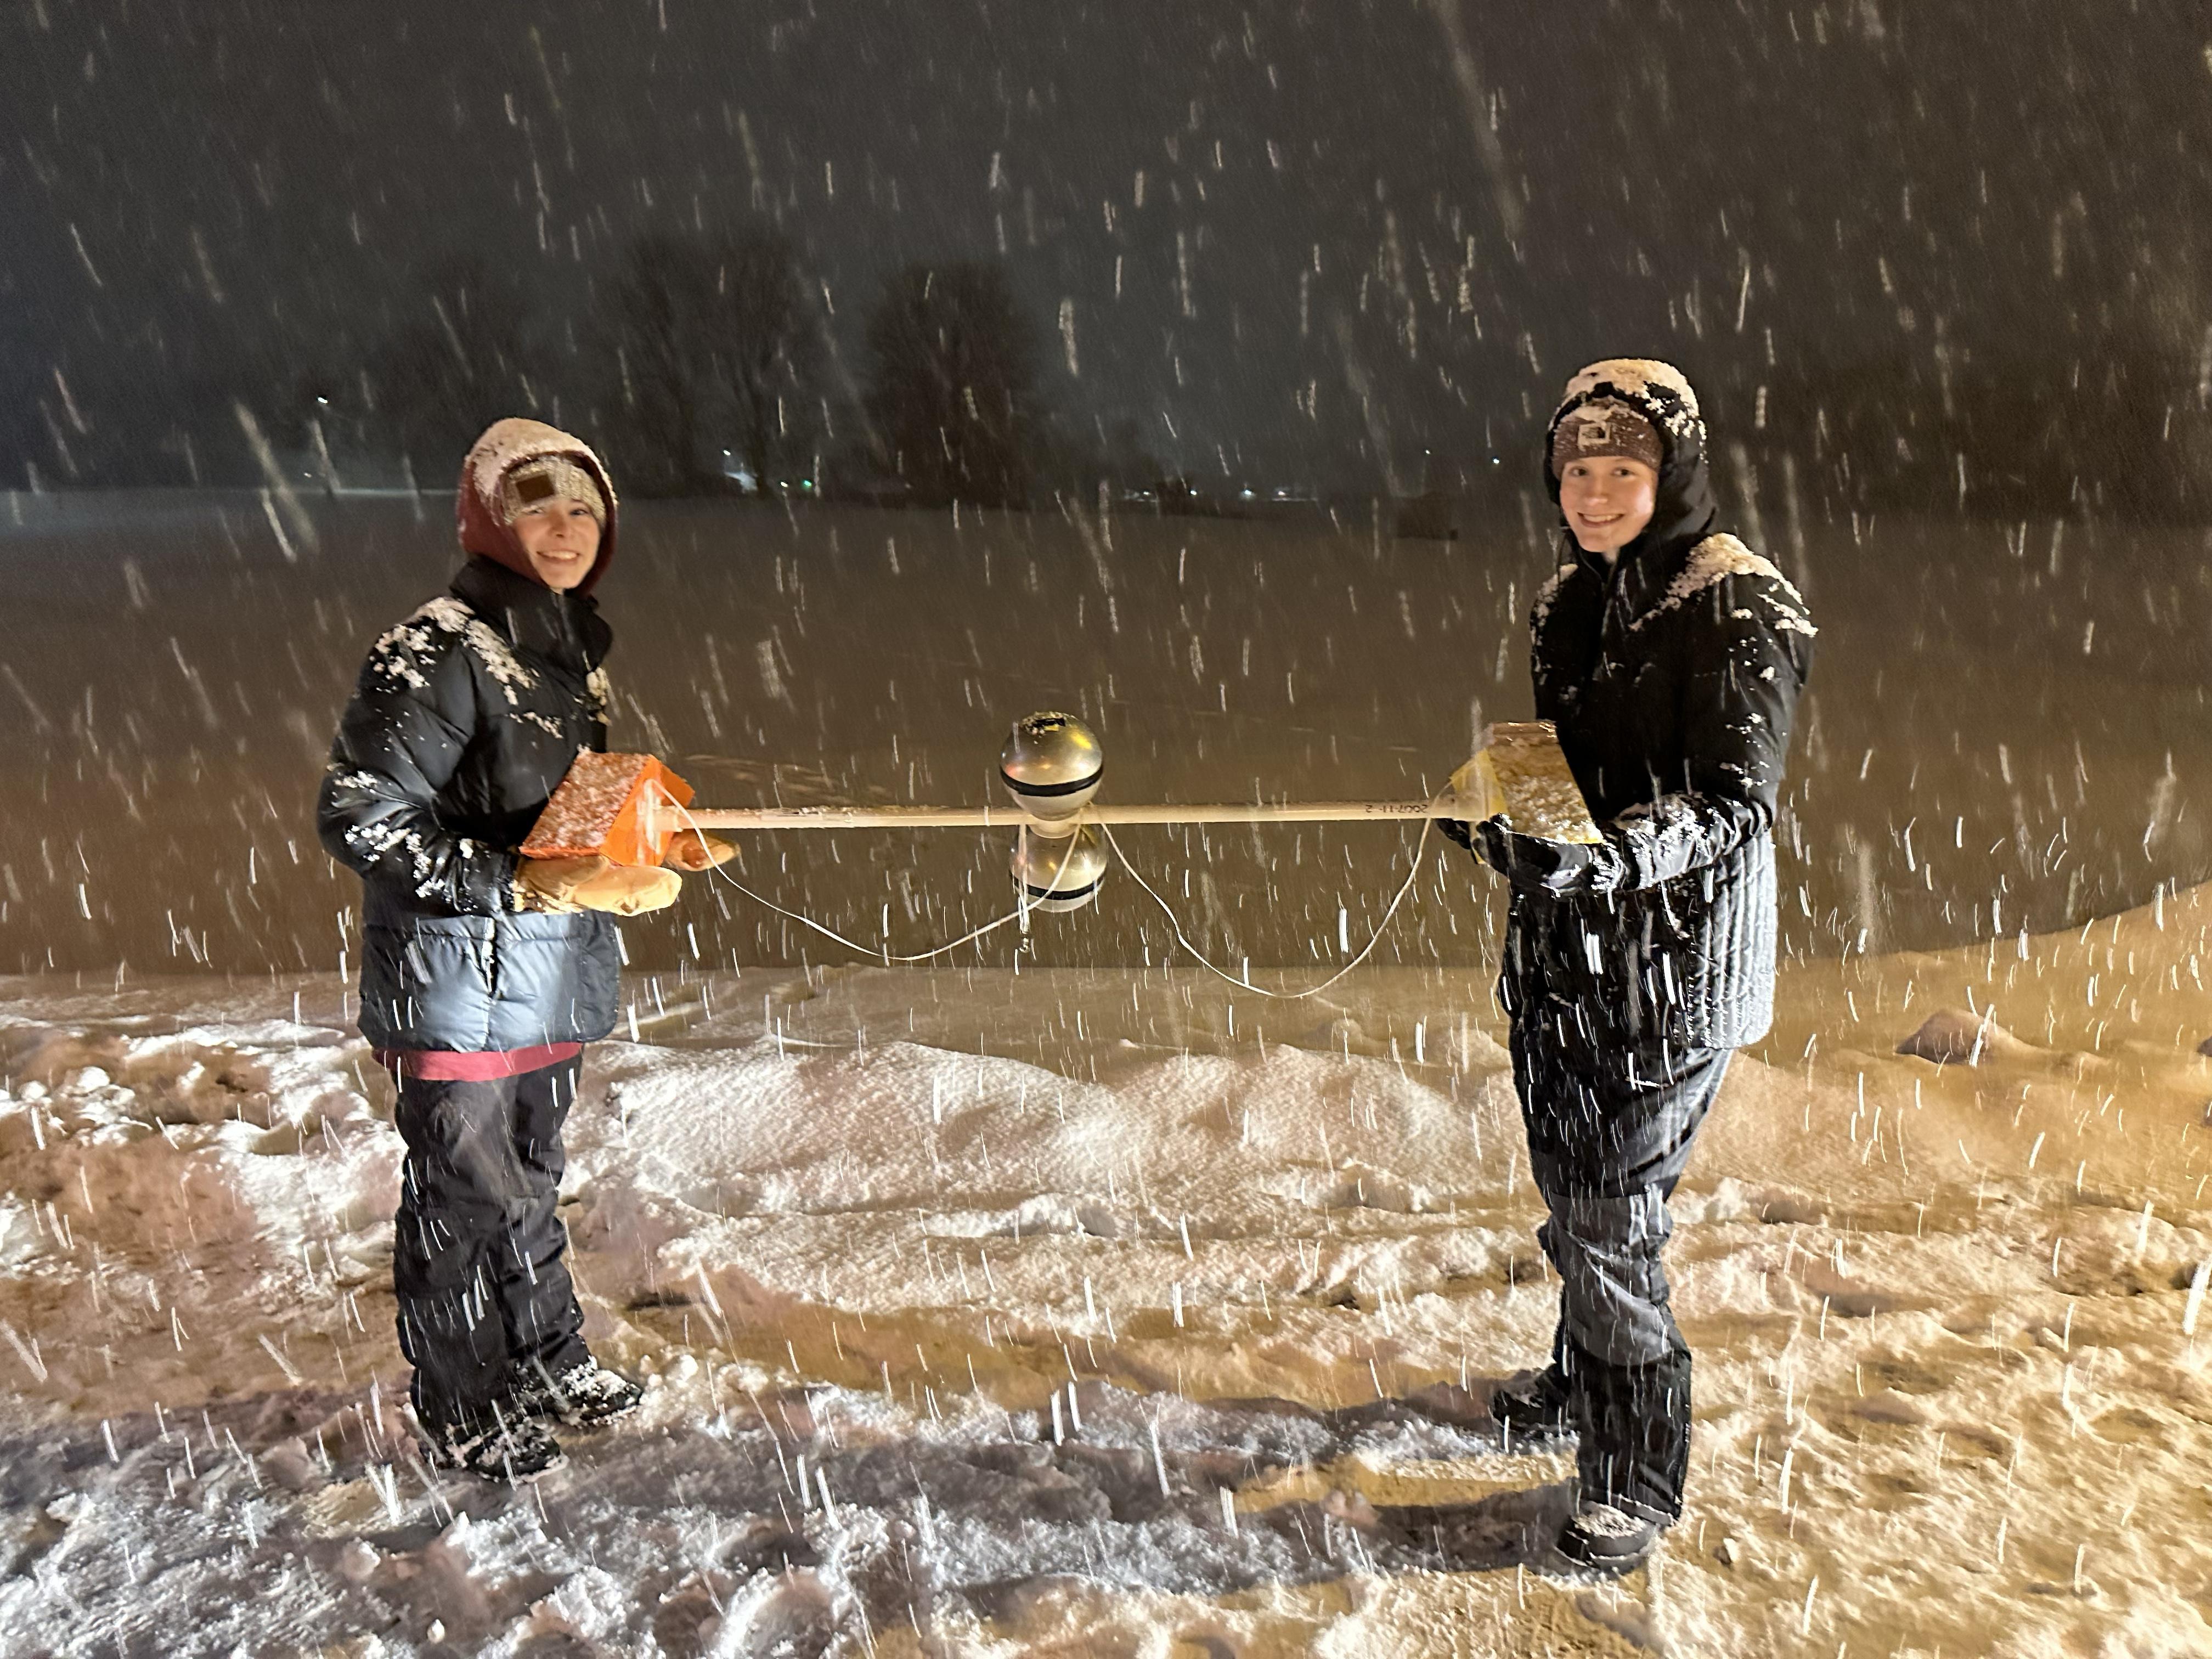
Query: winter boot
point(585, 1396)
point(1608, 1540)
point(1535, 1414)
point(514, 1449)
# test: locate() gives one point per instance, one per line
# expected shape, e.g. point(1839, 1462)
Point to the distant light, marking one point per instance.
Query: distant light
point(325, 402)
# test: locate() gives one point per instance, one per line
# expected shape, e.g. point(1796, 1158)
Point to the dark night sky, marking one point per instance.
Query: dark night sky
point(1365, 228)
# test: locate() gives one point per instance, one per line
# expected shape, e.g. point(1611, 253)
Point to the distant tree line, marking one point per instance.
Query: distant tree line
point(2121, 432)
point(705, 367)
point(706, 362)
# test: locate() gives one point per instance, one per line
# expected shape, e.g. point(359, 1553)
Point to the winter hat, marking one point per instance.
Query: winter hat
point(555, 478)
point(1606, 426)
point(516, 463)
point(1659, 391)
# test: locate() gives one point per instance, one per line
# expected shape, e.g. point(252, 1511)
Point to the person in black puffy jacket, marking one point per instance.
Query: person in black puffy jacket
point(483, 975)
point(1670, 657)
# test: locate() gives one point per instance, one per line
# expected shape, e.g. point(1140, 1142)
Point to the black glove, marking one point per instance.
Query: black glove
point(1458, 831)
point(1558, 867)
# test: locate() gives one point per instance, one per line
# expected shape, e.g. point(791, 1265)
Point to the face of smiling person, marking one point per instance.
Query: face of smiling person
point(1608, 500)
point(562, 540)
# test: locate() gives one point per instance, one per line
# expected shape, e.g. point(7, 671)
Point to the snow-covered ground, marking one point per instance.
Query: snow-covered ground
point(1104, 1313)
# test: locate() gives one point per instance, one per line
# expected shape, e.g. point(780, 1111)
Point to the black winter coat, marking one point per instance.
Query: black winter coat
point(1673, 675)
point(465, 717)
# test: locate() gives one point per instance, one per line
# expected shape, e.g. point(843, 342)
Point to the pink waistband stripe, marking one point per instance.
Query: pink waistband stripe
point(442, 1066)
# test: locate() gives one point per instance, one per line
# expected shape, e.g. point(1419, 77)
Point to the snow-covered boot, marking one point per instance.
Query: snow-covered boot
point(515, 1448)
point(585, 1394)
point(1537, 1412)
point(1608, 1540)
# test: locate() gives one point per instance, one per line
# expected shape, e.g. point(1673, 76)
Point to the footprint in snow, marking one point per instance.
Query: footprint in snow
point(789, 1618)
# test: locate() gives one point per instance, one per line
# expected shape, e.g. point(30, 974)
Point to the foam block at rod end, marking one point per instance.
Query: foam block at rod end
point(1522, 775)
point(615, 805)
point(1538, 787)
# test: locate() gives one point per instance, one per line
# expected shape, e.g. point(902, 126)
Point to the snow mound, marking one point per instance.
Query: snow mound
point(1953, 1036)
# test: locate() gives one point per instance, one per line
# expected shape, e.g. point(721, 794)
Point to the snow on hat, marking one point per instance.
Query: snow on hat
point(1659, 391)
point(553, 477)
point(1606, 426)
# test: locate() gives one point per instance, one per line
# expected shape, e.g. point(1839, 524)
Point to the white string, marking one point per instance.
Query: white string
point(882, 955)
point(1411, 876)
point(1017, 913)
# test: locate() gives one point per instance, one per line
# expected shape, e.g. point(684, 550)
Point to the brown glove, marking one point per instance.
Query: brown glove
point(592, 882)
point(694, 850)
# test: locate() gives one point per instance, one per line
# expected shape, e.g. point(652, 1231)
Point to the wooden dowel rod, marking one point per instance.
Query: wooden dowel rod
point(956, 817)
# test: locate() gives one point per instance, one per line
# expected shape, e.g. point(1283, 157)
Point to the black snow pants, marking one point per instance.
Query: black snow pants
point(484, 1295)
point(1608, 1135)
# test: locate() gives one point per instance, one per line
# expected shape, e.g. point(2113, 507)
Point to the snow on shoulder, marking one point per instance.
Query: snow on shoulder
point(411, 652)
point(1550, 591)
point(1715, 559)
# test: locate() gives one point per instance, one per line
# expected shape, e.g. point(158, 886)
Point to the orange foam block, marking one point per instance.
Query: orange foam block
point(615, 805)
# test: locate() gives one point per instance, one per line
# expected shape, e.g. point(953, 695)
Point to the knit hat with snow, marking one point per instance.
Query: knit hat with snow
point(1605, 426)
point(552, 478)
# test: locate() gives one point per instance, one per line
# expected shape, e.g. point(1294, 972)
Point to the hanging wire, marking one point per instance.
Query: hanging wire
point(882, 955)
point(1020, 913)
point(1411, 876)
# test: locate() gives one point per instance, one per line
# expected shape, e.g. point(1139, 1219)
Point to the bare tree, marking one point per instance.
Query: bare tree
point(711, 340)
point(953, 391)
point(766, 354)
point(657, 305)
